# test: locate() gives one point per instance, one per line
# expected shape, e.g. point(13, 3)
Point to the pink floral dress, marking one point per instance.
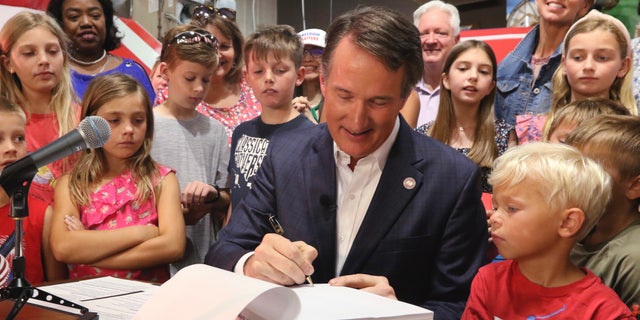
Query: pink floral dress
point(113, 206)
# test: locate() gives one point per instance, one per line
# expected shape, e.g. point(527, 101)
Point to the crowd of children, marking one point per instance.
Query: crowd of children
point(153, 198)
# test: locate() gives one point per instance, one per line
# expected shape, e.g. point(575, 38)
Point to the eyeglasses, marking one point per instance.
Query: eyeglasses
point(314, 52)
point(192, 37)
point(203, 13)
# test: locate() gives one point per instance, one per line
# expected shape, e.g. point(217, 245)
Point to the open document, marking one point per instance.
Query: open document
point(204, 292)
point(111, 298)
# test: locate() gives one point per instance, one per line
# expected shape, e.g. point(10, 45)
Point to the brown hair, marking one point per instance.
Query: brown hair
point(281, 41)
point(484, 149)
point(383, 33)
point(230, 30)
point(92, 163)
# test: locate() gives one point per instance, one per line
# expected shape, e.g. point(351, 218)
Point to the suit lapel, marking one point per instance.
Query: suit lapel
point(320, 179)
point(393, 193)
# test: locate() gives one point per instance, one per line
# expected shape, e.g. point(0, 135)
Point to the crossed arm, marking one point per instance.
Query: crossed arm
point(123, 248)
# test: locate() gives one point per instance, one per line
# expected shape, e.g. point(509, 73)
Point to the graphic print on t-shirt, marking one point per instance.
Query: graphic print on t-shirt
point(248, 157)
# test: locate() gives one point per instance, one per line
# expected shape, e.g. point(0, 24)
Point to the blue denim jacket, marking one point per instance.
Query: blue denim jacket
point(516, 93)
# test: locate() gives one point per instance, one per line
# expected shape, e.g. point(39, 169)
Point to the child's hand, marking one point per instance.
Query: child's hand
point(197, 193)
point(73, 223)
point(153, 231)
point(301, 104)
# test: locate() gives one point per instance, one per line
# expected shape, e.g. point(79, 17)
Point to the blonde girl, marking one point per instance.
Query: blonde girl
point(596, 59)
point(36, 77)
point(117, 213)
point(465, 119)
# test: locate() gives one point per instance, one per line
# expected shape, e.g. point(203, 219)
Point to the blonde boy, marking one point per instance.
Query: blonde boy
point(572, 115)
point(273, 58)
point(40, 265)
point(546, 197)
point(612, 250)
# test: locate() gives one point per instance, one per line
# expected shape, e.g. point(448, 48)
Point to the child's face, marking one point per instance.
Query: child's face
point(128, 120)
point(188, 83)
point(37, 59)
point(470, 78)
point(592, 63)
point(273, 81)
point(560, 133)
point(157, 81)
point(522, 225)
point(13, 145)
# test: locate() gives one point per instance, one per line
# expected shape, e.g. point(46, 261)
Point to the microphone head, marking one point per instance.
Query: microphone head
point(95, 130)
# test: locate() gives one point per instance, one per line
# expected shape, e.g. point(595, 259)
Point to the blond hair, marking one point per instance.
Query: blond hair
point(559, 173)
point(62, 97)
point(614, 139)
point(579, 111)
point(621, 90)
point(90, 167)
point(9, 107)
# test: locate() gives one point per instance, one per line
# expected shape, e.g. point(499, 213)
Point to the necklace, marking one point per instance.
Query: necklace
point(539, 61)
point(103, 66)
point(88, 63)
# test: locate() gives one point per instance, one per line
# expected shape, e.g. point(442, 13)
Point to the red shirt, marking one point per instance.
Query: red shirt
point(31, 242)
point(501, 291)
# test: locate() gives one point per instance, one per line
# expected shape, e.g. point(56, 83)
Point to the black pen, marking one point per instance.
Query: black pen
point(277, 228)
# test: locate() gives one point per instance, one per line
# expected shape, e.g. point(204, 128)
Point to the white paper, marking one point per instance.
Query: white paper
point(205, 292)
point(116, 298)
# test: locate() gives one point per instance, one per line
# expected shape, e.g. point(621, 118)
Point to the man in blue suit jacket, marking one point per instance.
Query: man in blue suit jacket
point(365, 197)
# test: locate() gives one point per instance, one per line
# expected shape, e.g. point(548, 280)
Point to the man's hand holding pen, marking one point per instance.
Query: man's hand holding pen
point(281, 261)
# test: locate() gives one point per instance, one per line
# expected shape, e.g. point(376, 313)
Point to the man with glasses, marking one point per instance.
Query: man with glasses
point(363, 201)
point(439, 26)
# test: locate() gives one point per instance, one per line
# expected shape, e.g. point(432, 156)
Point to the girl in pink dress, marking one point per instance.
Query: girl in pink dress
point(117, 213)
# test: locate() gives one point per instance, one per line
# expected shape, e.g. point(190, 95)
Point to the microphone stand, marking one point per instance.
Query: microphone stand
point(19, 289)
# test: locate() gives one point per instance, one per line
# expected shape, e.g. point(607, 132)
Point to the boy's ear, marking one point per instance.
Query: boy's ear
point(572, 221)
point(632, 192)
point(164, 71)
point(300, 76)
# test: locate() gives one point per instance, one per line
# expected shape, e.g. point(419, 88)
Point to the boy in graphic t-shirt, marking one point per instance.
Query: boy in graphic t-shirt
point(273, 58)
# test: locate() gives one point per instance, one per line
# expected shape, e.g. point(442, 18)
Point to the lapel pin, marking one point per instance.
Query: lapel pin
point(409, 183)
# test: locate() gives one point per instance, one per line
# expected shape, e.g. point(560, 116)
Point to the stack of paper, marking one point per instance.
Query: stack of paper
point(204, 292)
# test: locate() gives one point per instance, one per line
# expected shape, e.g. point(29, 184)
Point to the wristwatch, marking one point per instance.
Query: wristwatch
point(217, 193)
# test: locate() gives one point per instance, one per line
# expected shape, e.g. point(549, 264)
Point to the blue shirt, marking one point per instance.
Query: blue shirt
point(81, 81)
point(517, 93)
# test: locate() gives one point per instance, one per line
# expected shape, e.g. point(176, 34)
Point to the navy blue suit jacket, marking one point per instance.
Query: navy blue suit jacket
point(429, 240)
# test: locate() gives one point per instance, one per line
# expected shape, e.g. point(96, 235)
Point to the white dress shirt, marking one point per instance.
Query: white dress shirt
point(355, 191)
